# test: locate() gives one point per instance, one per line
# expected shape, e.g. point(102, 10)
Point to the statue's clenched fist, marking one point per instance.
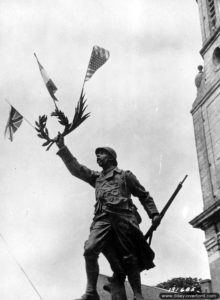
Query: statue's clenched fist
point(60, 140)
point(156, 221)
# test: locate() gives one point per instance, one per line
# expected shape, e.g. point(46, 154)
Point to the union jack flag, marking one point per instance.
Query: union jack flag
point(98, 57)
point(14, 122)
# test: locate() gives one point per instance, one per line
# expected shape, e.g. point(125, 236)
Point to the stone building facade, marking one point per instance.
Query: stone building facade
point(206, 120)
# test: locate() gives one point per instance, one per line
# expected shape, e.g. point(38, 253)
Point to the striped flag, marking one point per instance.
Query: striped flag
point(98, 57)
point(47, 80)
point(14, 122)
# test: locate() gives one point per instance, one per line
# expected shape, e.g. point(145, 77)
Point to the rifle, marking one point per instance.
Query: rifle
point(149, 233)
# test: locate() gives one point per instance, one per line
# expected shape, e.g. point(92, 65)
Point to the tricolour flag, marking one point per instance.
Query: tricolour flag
point(98, 57)
point(14, 122)
point(47, 80)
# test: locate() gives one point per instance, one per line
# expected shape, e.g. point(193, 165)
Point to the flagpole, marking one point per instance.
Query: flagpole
point(85, 77)
point(21, 268)
point(83, 84)
point(21, 115)
point(56, 107)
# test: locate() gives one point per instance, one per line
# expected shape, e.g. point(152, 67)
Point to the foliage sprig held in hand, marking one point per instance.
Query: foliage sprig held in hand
point(43, 132)
point(79, 118)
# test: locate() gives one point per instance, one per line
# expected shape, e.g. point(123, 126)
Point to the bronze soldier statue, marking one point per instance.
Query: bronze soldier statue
point(115, 228)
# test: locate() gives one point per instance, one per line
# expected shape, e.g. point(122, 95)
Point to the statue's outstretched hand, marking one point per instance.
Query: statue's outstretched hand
point(60, 140)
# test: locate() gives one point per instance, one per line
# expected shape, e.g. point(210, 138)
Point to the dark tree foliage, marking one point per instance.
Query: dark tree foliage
point(182, 284)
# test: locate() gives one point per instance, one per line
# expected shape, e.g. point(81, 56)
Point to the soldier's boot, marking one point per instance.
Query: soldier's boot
point(134, 277)
point(116, 287)
point(92, 272)
point(118, 279)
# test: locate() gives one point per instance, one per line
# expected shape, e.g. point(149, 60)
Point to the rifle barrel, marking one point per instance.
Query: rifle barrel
point(167, 205)
point(184, 179)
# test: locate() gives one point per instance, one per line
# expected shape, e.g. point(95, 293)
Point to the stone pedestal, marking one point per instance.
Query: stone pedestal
point(206, 286)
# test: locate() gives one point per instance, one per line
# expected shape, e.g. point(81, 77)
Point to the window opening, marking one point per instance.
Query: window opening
point(212, 13)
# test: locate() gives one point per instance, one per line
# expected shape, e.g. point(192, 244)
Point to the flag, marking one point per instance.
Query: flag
point(98, 57)
point(47, 80)
point(14, 122)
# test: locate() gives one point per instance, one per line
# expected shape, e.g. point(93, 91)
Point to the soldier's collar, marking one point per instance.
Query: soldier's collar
point(110, 173)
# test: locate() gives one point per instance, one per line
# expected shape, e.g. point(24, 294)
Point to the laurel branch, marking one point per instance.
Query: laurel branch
point(78, 119)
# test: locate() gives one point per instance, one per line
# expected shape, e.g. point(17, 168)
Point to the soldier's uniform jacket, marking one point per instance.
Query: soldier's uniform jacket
point(113, 190)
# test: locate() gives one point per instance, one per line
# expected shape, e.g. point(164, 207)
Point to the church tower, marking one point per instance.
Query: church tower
point(206, 120)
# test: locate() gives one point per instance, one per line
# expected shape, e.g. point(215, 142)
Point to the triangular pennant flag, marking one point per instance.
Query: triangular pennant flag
point(47, 80)
point(98, 57)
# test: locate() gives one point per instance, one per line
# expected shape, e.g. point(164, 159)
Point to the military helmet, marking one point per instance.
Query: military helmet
point(110, 151)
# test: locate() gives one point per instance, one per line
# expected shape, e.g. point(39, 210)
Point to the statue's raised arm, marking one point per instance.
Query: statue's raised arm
point(76, 169)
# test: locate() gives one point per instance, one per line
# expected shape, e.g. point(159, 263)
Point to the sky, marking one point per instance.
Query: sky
point(140, 103)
